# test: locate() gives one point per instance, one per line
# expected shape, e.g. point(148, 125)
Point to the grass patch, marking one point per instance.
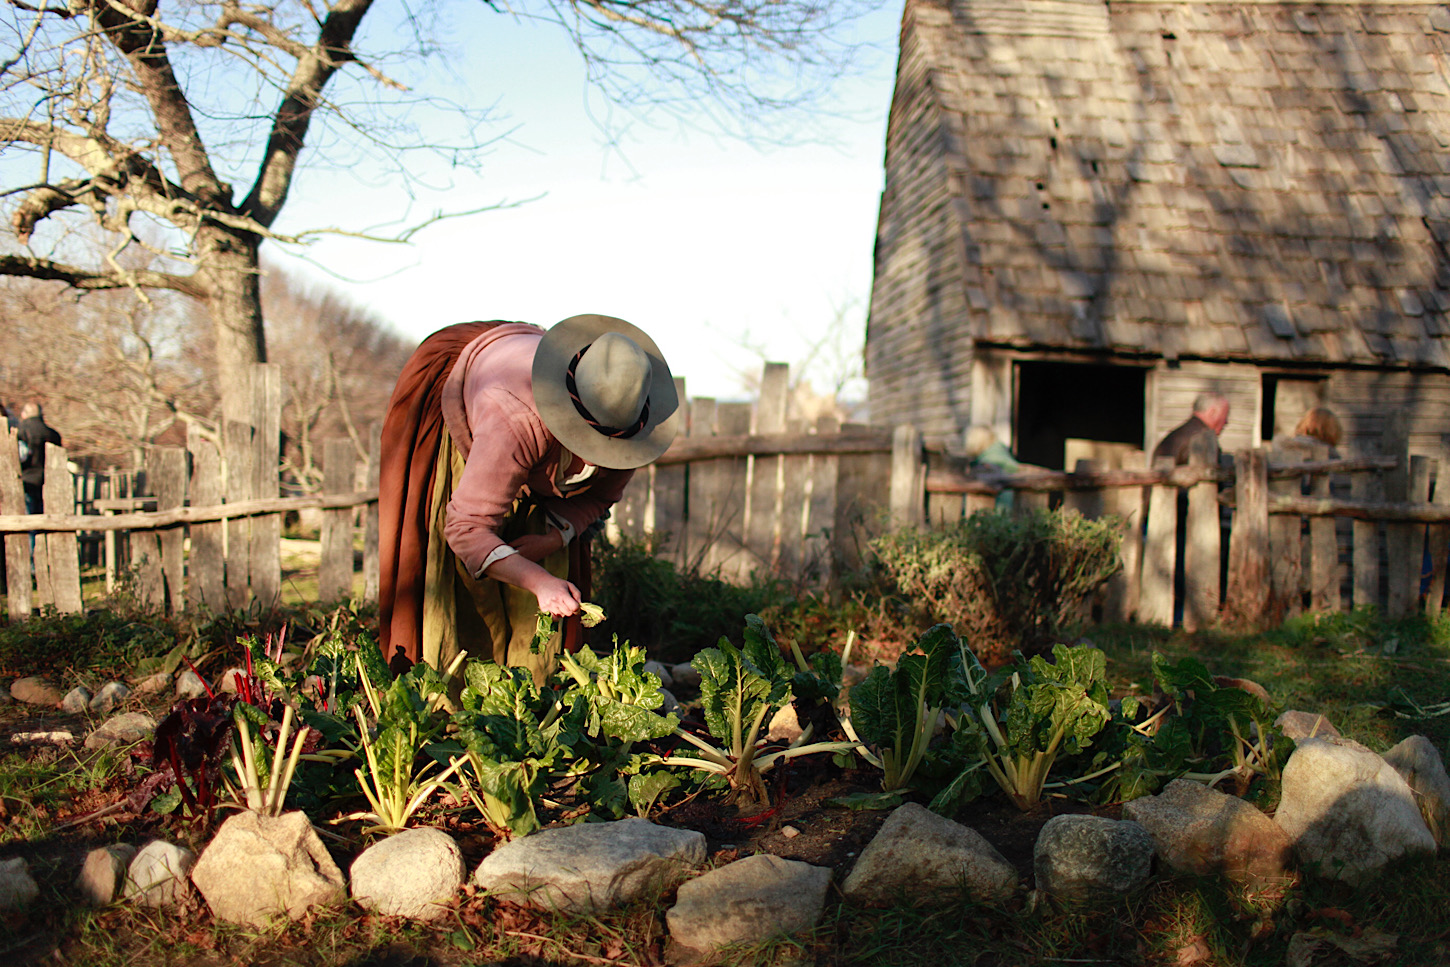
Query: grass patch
point(98, 643)
point(1365, 674)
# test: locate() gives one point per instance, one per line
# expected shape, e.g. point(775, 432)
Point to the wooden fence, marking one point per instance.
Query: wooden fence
point(747, 489)
point(1262, 536)
point(196, 527)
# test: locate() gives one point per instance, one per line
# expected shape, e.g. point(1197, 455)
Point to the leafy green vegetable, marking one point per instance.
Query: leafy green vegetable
point(648, 788)
point(739, 689)
point(895, 713)
point(589, 615)
point(1222, 721)
point(407, 716)
point(1016, 725)
point(621, 695)
point(516, 739)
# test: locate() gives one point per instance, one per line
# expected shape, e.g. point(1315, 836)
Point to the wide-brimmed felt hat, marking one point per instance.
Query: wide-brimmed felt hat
point(605, 392)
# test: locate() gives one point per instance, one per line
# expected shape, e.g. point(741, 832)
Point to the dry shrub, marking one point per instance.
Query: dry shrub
point(1005, 581)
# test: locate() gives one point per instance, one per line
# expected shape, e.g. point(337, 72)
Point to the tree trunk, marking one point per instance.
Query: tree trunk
point(229, 266)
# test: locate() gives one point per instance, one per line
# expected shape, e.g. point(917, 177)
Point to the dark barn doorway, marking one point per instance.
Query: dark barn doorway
point(1060, 401)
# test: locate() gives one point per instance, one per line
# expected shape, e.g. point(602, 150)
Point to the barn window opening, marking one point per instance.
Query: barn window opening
point(1286, 399)
point(1065, 412)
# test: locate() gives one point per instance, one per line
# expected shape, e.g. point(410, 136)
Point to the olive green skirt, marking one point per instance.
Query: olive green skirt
point(486, 618)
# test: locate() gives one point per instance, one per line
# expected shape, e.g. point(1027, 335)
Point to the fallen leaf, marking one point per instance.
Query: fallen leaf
point(1194, 952)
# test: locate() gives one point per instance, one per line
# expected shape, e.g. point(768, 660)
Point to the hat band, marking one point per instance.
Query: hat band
point(613, 432)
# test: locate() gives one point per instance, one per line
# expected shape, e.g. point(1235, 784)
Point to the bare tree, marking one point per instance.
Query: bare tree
point(338, 366)
point(827, 375)
point(194, 118)
point(115, 372)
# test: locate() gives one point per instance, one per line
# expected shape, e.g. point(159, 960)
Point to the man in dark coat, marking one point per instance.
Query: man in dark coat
point(1195, 440)
point(35, 433)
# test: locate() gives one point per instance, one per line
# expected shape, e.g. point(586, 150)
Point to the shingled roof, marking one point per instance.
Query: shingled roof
point(1263, 181)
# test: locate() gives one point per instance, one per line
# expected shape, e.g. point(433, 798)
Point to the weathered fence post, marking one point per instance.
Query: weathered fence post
point(726, 507)
point(62, 548)
point(371, 536)
point(1437, 537)
point(169, 485)
point(1286, 545)
point(1366, 487)
point(266, 550)
point(820, 515)
point(334, 569)
point(697, 536)
point(1407, 575)
point(1248, 570)
point(908, 477)
point(146, 548)
point(762, 511)
point(17, 546)
point(237, 444)
point(1120, 597)
point(1395, 442)
point(1155, 601)
point(1323, 545)
point(1201, 556)
point(795, 480)
point(206, 580)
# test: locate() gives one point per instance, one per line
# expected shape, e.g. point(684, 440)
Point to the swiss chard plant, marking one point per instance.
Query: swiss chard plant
point(739, 690)
point(514, 740)
point(895, 712)
point(1220, 722)
point(408, 713)
point(1017, 723)
point(623, 702)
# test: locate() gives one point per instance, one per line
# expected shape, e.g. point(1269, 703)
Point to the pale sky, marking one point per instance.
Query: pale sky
point(703, 241)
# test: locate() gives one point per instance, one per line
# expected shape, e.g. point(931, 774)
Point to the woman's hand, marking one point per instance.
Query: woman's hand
point(536, 547)
point(558, 597)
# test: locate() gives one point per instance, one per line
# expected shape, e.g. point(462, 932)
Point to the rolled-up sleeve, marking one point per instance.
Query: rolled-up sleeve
point(584, 508)
point(508, 441)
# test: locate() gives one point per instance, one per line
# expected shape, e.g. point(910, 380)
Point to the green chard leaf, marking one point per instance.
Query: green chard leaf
point(648, 788)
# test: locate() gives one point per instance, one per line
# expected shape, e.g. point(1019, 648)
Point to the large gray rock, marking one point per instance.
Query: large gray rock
point(128, 728)
point(35, 690)
point(591, 866)
point(1419, 763)
point(153, 684)
point(746, 902)
point(1347, 811)
point(17, 888)
point(662, 671)
point(76, 701)
point(918, 855)
point(1305, 725)
point(110, 695)
point(1199, 830)
point(190, 685)
point(684, 675)
point(104, 873)
point(158, 876)
point(1084, 859)
point(412, 874)
point(785, 725)
point(258, 868)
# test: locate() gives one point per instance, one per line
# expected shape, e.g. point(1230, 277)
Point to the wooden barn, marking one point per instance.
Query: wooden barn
point(1094, 211)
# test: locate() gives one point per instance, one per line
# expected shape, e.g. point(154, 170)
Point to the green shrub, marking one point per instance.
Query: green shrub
point(1005, 581)
point(671, 613)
